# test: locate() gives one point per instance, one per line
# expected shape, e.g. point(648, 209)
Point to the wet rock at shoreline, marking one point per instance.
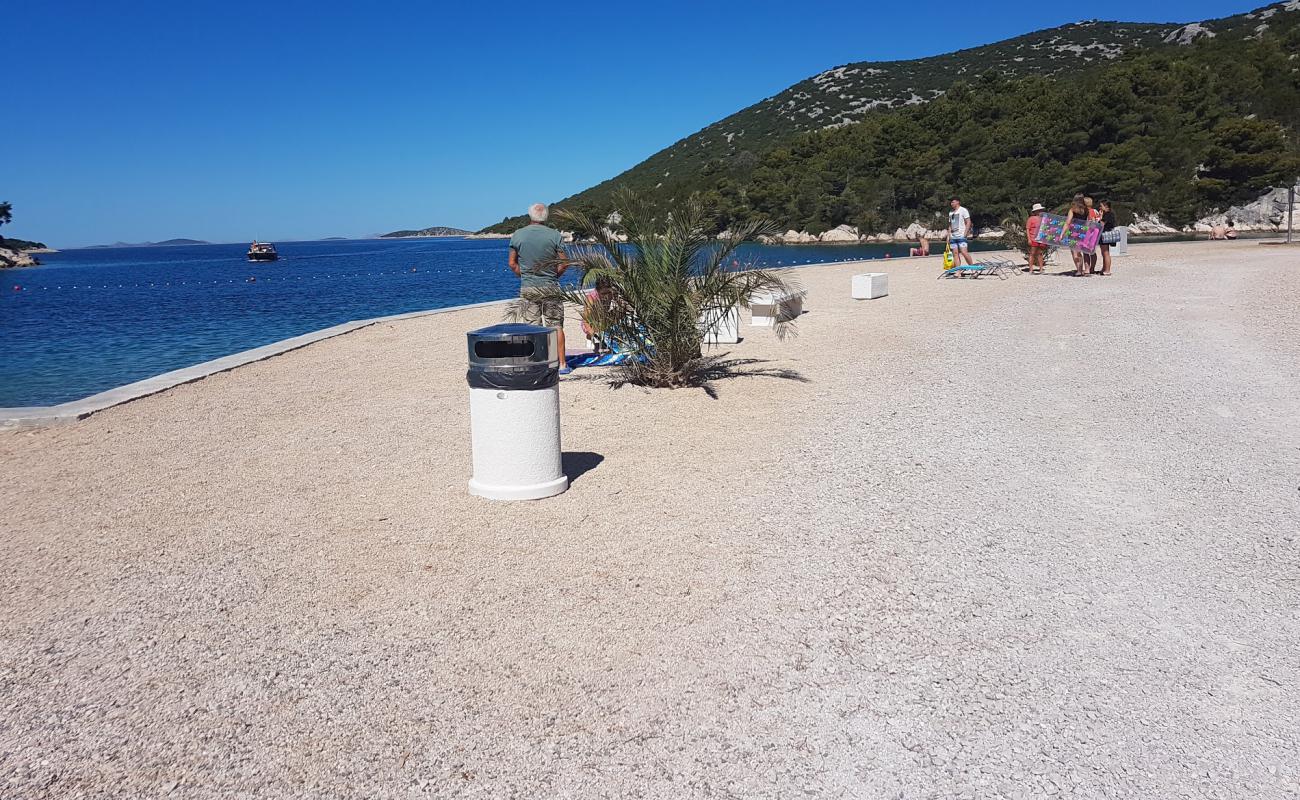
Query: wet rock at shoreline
point(844, 234)
point(1268, 213)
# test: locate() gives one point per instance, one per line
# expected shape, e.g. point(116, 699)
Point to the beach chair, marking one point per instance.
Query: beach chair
point(988, 266)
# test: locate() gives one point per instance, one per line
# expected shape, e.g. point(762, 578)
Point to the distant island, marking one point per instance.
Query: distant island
point(435, 231)
point(166, 243)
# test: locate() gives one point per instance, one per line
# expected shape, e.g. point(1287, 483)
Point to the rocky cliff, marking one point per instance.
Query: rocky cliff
point(15, 258)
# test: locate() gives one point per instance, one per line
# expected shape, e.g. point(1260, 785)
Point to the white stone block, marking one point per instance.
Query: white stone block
point(721, 328)
point(870, 285)
point(769, 308)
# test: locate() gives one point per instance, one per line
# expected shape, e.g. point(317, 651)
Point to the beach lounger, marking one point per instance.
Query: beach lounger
point(989, 266)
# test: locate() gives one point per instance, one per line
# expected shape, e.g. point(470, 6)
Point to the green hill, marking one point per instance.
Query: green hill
point(11, 243)
point(782, 133)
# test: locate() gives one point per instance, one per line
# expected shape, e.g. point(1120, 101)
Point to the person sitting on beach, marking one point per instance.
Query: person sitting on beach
point(534, 249)
point(1037, 252)
point(960, 232)
point(599, 301)
point(922, 248)
point(1231, 232)
point(1218, 232)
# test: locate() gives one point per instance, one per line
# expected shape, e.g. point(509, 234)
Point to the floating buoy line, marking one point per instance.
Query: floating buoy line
point(283, 279)
point(18, 287)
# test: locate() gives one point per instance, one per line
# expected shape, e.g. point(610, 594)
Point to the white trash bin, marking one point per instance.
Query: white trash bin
point(514, 410)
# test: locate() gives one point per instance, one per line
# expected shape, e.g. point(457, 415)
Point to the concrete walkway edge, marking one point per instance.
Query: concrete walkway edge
point(38, 416)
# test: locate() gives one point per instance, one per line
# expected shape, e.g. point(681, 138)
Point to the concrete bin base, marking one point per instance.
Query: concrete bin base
point(516, 444)
point(536, 491)
point(870, 285)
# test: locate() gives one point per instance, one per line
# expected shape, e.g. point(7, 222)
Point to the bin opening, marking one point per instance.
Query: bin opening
point(507, 349)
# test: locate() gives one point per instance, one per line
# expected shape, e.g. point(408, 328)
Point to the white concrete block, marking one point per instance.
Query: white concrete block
point(769, 308)
point(870, 285)
point(721, 328)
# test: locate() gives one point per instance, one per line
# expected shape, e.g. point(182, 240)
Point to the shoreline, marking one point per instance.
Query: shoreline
point(79, 409)
point(82, 407)
point(73, 410)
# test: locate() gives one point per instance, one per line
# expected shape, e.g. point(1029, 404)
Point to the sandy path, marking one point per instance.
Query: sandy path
point(1009, 538)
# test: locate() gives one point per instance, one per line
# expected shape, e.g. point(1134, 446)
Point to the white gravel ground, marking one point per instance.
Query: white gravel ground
point(1021, 538)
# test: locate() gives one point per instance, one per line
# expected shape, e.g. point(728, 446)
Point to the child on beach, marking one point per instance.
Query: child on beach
point(1107, 225)
point(1037, 252)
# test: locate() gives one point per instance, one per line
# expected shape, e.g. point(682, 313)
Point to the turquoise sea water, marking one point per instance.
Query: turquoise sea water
point(89, 320)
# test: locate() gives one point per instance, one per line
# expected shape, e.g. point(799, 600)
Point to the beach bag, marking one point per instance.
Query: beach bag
point(948, 261)
point(1110, 237)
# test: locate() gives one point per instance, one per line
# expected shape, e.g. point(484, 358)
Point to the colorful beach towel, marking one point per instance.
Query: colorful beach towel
point(1081, 234)
point(597, 359)
point(617, 351)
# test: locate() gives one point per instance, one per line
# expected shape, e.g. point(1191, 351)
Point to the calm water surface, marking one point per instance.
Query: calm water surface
point(90, 320)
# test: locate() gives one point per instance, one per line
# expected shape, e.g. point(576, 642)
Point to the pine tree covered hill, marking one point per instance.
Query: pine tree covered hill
point(1179, 120)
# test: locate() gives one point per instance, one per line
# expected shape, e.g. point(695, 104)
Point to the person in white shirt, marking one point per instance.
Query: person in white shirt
point(960, 232)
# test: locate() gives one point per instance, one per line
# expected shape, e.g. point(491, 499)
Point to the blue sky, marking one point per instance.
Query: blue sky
point(225, 121)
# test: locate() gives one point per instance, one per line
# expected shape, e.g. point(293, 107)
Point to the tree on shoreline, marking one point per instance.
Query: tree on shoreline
point(668, 276)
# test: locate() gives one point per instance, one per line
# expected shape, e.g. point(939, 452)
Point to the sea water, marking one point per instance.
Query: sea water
point(89, 320)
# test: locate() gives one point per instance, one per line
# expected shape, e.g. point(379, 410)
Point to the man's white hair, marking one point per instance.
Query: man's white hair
point(537, 212)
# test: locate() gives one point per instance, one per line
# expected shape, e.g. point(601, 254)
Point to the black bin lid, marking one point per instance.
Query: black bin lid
point(507, 330)
point(511, 345)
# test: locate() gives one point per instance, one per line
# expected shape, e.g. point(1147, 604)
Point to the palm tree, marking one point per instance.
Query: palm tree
point(668, 276)
point(1013, 232)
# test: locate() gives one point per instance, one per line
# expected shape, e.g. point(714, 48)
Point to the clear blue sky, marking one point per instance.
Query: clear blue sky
point(145, 120)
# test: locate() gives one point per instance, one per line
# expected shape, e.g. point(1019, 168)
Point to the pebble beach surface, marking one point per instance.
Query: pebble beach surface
point(983, 539)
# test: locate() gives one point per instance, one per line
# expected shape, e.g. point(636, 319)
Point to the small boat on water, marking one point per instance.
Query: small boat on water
point(262, 251)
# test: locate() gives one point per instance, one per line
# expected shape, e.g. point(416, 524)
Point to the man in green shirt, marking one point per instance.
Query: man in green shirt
point(533, 252)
